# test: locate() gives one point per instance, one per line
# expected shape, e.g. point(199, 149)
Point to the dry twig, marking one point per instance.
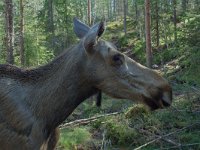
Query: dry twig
point(185, 145)
point(197, 91)
point(158, 136)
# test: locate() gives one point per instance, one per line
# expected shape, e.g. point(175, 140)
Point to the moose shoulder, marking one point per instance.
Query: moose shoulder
point(33, 103)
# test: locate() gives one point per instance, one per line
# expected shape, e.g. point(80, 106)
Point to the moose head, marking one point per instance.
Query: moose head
point(117, 75)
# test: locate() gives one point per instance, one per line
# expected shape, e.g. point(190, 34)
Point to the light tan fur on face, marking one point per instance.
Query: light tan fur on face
point(129, 80)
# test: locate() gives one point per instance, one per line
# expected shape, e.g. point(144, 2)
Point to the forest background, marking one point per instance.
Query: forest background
point(32, 33)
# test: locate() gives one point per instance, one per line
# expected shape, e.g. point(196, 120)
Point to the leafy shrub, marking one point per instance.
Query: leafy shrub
point(123, 41)
point(139, 51)
point(97, 124)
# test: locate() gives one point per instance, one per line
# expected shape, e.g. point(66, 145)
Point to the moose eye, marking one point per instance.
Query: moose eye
point(117, 59)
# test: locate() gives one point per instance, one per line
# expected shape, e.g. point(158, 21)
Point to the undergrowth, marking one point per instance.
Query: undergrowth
point(176, 126)
point(73, 138)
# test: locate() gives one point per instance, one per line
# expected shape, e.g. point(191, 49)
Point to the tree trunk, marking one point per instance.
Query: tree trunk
point(114, 9)
point(157, 25)
point(197, 3)
point(148, 34)
point(175, 20)
point(21, 43)
point(50, 24)
point(125, 14)
point(136, 11)
point(184, 5)
point(108, 10)
point(94, 12)
point(50, 29)
point(9, 40)
point(89, 12)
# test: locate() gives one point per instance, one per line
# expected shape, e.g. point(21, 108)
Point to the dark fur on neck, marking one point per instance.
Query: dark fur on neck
point(14, 72)
point(28, 75)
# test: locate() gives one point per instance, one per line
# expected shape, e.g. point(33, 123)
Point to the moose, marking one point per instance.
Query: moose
point(34, 102)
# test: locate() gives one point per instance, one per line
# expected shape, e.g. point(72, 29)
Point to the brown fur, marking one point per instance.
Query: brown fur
point(33, 103)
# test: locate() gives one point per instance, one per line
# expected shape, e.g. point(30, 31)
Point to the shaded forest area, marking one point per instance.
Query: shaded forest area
point(32, 33)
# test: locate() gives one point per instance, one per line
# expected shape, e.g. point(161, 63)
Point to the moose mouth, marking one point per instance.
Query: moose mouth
point(156, 104)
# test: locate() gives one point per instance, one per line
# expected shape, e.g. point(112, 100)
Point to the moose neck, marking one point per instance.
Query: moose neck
point(62, 88)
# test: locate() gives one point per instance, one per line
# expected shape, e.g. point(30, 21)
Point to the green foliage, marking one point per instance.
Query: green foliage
point(123, 41)
point(190, 137)
point(97, 124)
point(191, 30)
point(45, 39)
point(119, 133)
point(89, 109)
point(190, 47)
point(139, 51)
point(163, 122)
point(139, 126)
point(71, 138)
point(166, 55)
point(36, 55)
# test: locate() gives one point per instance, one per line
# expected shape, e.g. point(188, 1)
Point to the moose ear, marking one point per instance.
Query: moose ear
point(80, 28)
point(93, 35)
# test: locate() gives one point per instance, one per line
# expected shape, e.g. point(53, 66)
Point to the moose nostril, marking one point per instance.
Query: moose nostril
point(166, 104)
point(167, 99)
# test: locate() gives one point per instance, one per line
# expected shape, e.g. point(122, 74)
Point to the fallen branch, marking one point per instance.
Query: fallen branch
point(197, 91)
point(87, 120)
point(166, 135)
point(159, 136)
point(185, 110)
point(185, 145)
point(103, 141)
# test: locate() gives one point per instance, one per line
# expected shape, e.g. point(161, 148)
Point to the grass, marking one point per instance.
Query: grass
point(73, 138)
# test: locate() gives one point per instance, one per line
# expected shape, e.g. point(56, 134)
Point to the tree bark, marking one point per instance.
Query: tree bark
point(136, 12)
point(197, 3)
point(9, 40)
point(114, 9)
point(50, 28)
point(94, 12)
point(125, 14)
point(21, 43)
point(157, 25)
point(89, 12)
point(184, 5)
point(108, 10)
point(50, 24)
point(148, 34)
point(175, 20)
